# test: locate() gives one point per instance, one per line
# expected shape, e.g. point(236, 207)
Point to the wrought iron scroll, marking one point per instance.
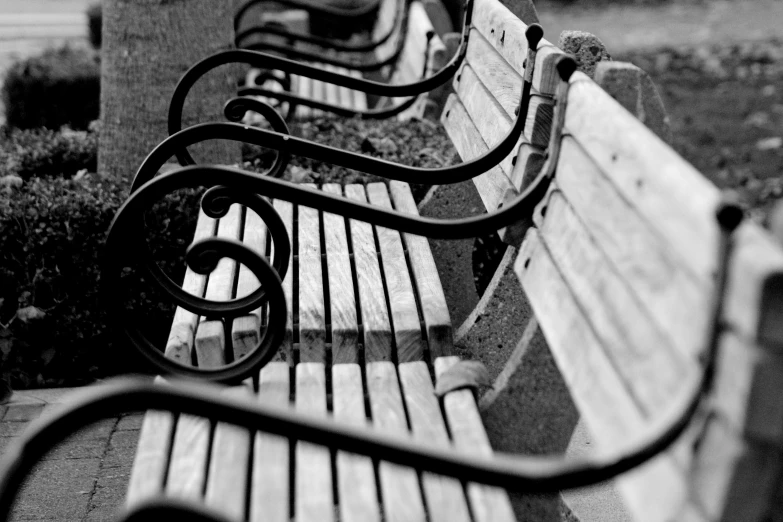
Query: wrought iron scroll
point(400, 17)
point(232, 185)
point(536, 474)
point(268, 61)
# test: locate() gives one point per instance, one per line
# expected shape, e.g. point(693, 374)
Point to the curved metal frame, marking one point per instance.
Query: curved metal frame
point(517, 472)
point(309, 6)
point(268, 61)
point(326, 43)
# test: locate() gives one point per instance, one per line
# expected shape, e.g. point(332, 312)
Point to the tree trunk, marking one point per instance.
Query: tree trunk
point(147, 46)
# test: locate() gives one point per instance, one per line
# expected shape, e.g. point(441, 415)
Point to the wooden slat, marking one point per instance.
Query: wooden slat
point(671, 195)
point(304, 86)
point(444, 496)
point(183, 328)
point(269, 493)
point(606, 404)
point(286, 212)
point(359, 98)
point(210, 336)
point(402, 302)
point(425, 276)
point(229, 464)
point(152, 457)
point(503, 85)
point(672, 293)
point(312, 322)
point(342, 302)
point(331, 91)
point(355, 475)
point(313, 475)
point(467, 433)
point(492, 185)
point(372, 301)
point(399, 485)
point(188, 465)
point(651, 367)
point(245, 330)
point(506, 33)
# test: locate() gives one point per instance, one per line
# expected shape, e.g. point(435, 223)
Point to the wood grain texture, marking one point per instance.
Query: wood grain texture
point(668, 288)
point(210, 336)
point(189, 458)
point(152, 457)
point(671, 195)
point(245, 330)
point(399, 485)
point(468, 435)
point(286, 212)
point(179, 346)
point(425, 277)
point(313, 499)
point(342, 301)
point(372, 300)
point(355, 475)
point(399, 288)
point(444, 496)
point(648, 363)
point(506, 33)
point(492, 185)
point(229, 464)
point(312, 321)
point(269, 492)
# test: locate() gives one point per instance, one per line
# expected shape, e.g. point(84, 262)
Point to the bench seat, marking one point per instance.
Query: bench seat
point(368, 331)
point(409, 69)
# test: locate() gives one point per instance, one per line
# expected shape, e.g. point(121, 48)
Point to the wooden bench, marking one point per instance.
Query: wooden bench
point(419, 39)
point(618, 270)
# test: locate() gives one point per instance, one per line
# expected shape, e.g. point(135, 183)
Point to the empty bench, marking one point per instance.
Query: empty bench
point(618, 268)
point(407, 51)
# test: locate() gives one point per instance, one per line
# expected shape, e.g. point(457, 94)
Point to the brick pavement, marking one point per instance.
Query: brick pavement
point(82, 479)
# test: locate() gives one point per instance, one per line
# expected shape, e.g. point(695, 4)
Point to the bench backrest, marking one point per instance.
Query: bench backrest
point(619, 270)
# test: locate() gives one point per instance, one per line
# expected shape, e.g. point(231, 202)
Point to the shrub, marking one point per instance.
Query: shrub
point(47, 153)
point(94, 23)
point(53, 328)
point(59, 87)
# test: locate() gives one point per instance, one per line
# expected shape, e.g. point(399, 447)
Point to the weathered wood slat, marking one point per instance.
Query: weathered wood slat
point(179, 346)
point(312, 320)
point(269, 492)
point(492, 185)
point(357, 492)
point(506, 33)
point(286, 212)
point(189, 454)
point(399, 288)
point(652, 369)
point(245, 330)
point(342, 301)
point(426, 279)
point(399, 485)
point(444, 496)
point(152, 457)
point(313, 499)
point(210, 336)
point(468, 435)
point(304, 88)
point(229, 464)
point(359, 98)
point(372, 303)
point(671, 195)
point(662, 281)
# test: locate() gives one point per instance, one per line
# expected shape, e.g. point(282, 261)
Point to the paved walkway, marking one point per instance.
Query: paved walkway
point(85, 477)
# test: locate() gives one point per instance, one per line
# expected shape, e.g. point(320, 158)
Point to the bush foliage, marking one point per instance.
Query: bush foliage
point(59, 87)
point(47, 153)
